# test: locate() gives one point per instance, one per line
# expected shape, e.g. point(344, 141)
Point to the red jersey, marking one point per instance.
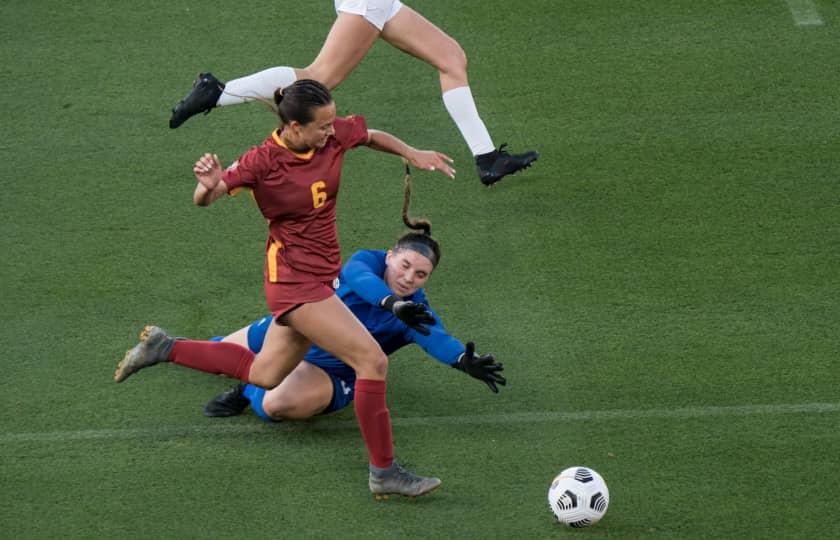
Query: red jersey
point(297, 195)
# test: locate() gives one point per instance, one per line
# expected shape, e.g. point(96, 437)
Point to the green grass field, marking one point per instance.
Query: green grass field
point(662, 286)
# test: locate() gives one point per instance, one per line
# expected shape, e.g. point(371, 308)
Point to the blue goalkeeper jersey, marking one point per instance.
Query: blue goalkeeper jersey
point(362, 288)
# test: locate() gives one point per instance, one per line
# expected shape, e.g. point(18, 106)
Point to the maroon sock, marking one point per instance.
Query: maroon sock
point(374, 421)
point(213, 357)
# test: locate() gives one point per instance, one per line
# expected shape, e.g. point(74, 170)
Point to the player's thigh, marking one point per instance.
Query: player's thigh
point(333, 327)
point(414, 34)
point(305, 392)
point(347, 43)
point(283, 349)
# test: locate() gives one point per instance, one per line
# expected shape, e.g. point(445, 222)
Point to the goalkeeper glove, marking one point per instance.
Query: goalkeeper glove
point(484, 368)
point(414, 315)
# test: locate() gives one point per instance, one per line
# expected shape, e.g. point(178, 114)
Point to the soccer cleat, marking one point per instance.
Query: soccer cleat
point(230, 403)
point(153, 348)
point(395, 480)
point(495, 165)
point(202, 98)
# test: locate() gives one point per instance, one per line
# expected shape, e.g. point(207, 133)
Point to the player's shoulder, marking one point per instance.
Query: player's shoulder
point(350, 119)
point(370, 253)
point(349, 123)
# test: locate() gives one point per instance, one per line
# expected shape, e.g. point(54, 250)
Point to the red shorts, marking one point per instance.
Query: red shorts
point(284, 297)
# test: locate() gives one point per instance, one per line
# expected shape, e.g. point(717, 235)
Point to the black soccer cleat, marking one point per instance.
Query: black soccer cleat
point(230, 403)
point(495, 165)
point(202, 98)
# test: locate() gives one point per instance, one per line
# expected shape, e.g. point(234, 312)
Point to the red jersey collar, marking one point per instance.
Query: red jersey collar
point(276, 136)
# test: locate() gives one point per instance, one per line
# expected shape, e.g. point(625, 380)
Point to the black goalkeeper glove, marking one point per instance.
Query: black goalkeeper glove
point(411, 313)
point(484, 368)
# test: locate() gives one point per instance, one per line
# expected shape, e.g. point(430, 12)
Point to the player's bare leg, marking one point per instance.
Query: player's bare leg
point(304, 393)
point(334, 328)
point(283, 349)
point(347, 43)
point(414, 34)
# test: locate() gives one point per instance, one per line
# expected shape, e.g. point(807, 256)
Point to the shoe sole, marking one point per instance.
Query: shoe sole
point(387, 496)
point(125, 368)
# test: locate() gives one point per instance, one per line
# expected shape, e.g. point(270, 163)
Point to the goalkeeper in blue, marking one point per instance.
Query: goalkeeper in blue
point(384, 290)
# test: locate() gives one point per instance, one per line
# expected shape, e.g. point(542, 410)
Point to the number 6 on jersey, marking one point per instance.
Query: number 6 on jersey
point(319, 198)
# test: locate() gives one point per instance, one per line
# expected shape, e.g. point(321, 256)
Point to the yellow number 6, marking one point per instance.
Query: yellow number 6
point(319, 198)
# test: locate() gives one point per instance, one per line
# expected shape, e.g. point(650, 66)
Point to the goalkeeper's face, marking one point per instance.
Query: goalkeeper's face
point(406, 271)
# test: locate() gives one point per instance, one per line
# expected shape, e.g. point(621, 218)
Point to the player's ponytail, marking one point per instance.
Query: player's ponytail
point(421, 242)
point(298, 101)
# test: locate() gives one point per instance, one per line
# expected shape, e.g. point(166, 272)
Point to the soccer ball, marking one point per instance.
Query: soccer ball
point(579, 497)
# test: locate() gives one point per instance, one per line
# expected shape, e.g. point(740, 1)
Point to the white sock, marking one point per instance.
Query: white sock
point(259, 85)
point(461, 106)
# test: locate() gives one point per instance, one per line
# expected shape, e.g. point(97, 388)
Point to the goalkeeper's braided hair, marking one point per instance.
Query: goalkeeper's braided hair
point(421, 242)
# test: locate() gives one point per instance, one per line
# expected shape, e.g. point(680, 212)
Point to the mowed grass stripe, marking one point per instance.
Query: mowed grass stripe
point(804, 13)
point(504, 418)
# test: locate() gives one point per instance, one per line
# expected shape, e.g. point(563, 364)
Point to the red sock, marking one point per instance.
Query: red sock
point(374, 421)
point(213, 357)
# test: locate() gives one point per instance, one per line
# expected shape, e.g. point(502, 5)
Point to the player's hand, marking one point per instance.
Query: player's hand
point(208, 171)
point(484, 367)
point(429, 160)
point(414, 315)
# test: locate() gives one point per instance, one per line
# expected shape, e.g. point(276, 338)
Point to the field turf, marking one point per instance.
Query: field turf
point(662, 286)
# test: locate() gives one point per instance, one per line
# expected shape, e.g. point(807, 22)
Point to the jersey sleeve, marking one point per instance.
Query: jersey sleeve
point(439, 343)
point(363, 274)
point(351, 131)
point(245, 172)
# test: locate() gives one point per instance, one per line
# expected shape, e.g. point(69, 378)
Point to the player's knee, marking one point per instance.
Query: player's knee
point(373, 366)
point(454, 61)
point(287, 408)
point(277, 409)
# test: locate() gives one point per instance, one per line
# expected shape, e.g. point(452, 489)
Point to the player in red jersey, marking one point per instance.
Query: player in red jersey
point(294, 176)
point(358, 25)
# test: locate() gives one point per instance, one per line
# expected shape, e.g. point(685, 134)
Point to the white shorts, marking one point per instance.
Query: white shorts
point(376, 12)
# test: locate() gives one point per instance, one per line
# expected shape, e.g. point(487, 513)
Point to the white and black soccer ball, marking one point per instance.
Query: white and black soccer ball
point(579, 497)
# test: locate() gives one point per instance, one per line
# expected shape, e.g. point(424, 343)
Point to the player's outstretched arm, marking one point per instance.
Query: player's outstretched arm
point(484, 367)
point(428, 160)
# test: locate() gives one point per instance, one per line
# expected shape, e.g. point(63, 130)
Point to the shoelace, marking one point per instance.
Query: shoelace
point(406, 474)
